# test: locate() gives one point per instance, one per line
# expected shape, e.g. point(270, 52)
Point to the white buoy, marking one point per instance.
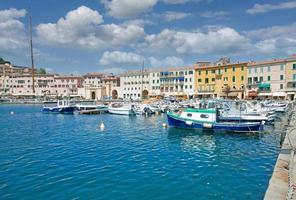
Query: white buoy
point(164, 125)
point(102, 126)
point(12, 113)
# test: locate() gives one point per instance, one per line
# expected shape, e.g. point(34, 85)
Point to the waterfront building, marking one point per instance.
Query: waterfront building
point(21, 85)
point(66, 86)
point(221, 80)
point(267, 79)
point(177, 82)
point(98, 86)
point(291, 77)
point(134, 85)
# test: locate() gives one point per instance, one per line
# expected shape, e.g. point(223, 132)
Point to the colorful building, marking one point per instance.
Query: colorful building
point(267, 79)
point(221, 80)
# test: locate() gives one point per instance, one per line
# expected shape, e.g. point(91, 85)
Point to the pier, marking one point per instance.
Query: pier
point(282, 184)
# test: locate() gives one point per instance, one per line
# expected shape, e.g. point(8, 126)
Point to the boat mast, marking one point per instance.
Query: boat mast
point(142, 81)
point(32, 57)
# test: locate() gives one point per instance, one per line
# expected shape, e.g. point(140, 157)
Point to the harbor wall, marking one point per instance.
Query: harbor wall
point(282, 184)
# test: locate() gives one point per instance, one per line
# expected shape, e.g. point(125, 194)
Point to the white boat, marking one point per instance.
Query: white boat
point(91, 107)
point(121, 109)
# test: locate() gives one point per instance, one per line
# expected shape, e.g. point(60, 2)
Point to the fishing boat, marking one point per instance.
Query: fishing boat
point(91, 107)
point(121, 109)
point(208, 119)
point(63, 107)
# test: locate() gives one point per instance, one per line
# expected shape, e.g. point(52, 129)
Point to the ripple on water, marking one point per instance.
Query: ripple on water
point(66, 156)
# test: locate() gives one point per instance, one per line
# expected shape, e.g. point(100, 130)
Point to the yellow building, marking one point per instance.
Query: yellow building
point(227, 80)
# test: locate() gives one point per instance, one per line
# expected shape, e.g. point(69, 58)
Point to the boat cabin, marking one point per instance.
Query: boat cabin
point(201, 115)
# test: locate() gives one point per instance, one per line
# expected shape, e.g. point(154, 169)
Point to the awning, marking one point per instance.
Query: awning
point(291, 92)
point(265, 94)
point(233, 94)
point(264, 85)
point(279, 94)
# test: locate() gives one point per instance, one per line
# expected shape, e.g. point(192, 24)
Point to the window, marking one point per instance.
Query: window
point(250, 71)
point(213, 71)
point(294, 76)
point(282, 67)
point(190, 72)
point(233, 69)
point(249, 80)
point(268, 78)
point(199, 72)
point(261, 69)
point(190, 86)
point(199, 80)
point(282, 77)
point(189, 115)
point(242, 68)
point(219, 71)
point(255, 70)
point(268, 68)
point(206, 71)
point(281, 86)
point(204, 116)
point(242, 78)
point(233, 79)
point(294, 66)
point(225, 70)
point(206, 80)
point(213, 79)
point(261, 79)
point(255, 79)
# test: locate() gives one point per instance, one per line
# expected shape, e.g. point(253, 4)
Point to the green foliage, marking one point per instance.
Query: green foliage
point(41, 71)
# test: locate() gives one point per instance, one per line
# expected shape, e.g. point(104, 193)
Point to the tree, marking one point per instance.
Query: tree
point(41, 71)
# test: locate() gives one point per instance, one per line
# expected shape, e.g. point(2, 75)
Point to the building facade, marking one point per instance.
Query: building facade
point(134, 85)
point(98, 86)
point(267, 79)
point(223, 80)
point(291, 78)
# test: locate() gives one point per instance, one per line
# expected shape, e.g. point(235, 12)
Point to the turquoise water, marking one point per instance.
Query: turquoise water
point(47, 156)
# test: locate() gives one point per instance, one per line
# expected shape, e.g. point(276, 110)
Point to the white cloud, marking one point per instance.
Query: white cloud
point(170, 61)
point(123, 9)
point(220, 41)
point(12, 35)
point(171, 16)
point(275, 39)
point(83, 28)
point(215, 14)
point(121, 58)
point(263, 8)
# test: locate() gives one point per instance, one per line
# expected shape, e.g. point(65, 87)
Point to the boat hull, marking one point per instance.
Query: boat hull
point(118, 111)
point(59, 110)
point(217, 127)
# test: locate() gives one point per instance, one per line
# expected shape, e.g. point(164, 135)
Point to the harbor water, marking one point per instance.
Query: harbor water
point(52, 156)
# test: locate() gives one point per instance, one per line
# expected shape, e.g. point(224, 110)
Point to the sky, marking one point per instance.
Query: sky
point(113, 36)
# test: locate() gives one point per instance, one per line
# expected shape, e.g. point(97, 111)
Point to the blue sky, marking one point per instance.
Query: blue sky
point(117, 35)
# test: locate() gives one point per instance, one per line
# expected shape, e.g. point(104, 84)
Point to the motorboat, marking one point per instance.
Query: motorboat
point(62, 107)
point(208, 119)
point(122, 109)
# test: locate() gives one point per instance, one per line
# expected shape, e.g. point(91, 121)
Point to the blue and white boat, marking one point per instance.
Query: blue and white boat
point(208, 119)
point(63, 107)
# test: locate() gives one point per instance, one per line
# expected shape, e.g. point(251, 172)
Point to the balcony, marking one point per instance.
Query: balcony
point(291, 89)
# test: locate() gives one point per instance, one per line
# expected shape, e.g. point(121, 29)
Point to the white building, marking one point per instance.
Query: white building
point(134, 85)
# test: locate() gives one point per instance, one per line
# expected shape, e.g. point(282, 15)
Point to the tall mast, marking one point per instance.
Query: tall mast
point(142, 81)
point(32, 57)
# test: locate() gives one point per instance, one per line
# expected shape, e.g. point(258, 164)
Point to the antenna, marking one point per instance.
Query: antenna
point(32, 57)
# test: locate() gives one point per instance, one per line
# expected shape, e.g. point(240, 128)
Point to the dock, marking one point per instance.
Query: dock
point(282, 184)
point(91, 112)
